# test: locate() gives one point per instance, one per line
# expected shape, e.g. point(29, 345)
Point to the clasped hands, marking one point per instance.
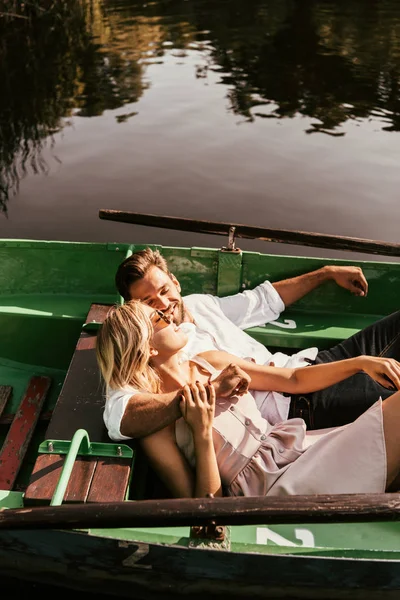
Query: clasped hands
point(198, 400)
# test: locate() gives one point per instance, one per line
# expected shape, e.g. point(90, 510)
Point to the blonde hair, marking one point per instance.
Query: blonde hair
point(123, 348)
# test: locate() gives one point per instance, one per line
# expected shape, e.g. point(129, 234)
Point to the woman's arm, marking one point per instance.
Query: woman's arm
point(167, 460)
point(311, 378)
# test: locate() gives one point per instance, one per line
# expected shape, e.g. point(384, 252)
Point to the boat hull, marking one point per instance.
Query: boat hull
point(79, 561)
point(46, 291)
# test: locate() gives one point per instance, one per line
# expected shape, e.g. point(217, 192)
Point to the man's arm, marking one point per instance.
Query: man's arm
point(148, 413)
point(350, 278)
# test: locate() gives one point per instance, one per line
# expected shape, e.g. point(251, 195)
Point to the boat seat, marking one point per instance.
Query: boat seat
point(80, 406)
point(81, 400)
point(322, 330)
point(93, 479)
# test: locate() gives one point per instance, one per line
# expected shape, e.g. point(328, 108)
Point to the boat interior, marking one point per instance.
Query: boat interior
point(53, 298)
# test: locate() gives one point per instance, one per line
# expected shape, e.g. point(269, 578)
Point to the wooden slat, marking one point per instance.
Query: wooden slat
point(46, 474)
point(8, 419)
point(80, 480)
point(285, 236)
point(110, 480)
point(5, 394)
point(81, 400)
point(97, 313)
point(21, 430)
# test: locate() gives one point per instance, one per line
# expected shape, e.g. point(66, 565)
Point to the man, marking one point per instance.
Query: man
point(218, 323)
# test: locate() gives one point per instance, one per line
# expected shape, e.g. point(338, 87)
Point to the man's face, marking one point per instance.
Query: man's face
point(160, 291)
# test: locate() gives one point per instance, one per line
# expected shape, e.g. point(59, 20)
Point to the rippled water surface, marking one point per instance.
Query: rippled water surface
point(267, 112)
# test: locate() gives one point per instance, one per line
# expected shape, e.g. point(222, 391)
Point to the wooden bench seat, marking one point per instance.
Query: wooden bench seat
point(81, 400)
point(93, 479)
point(80, 406)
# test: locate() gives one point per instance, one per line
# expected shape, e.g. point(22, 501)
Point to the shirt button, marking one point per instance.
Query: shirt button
point(280, 450)
point(247, 422)
point(263, 437)
point(232, 407)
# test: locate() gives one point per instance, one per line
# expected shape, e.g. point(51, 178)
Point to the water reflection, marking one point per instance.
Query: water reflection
point(328, 60)
point(331, 61)
point(51, 66)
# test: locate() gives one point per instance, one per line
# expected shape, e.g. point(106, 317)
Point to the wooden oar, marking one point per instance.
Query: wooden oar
point(300, 238)
point(349, 508)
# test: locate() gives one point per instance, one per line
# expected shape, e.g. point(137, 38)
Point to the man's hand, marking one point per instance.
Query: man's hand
point(350, 278)
point(232, 381)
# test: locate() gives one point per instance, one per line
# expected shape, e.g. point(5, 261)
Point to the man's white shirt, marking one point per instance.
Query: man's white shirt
point(218, 325)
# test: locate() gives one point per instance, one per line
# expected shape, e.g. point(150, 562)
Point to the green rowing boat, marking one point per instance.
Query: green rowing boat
point(79, 511)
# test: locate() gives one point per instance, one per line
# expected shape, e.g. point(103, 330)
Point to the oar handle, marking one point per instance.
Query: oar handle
point(284, 236)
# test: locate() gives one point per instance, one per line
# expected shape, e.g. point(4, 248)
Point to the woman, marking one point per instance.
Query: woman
point(227, 441)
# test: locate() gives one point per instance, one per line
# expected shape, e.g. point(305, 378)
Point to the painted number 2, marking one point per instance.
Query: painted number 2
point(265, 536)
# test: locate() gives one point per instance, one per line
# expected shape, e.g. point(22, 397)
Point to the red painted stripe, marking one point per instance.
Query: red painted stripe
point(21, 430)
point(5, 394)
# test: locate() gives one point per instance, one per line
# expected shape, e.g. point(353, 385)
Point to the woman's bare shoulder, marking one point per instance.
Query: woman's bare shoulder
point(218, 358)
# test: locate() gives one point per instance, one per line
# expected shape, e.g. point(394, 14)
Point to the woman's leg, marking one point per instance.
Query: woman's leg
point(391, 428)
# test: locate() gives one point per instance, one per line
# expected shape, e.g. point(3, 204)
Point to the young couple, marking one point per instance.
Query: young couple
point(143, 358)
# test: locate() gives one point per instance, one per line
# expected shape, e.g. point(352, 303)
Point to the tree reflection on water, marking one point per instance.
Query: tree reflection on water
point(331, 61)
point(50, 67)
point(328, 60)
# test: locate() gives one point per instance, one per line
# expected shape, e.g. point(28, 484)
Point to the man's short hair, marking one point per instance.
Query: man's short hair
point(135, 267)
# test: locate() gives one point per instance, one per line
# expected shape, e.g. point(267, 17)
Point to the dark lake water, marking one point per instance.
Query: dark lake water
point(278, 113)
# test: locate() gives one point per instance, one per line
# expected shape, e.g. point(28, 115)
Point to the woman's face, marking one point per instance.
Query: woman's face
point(167, 337)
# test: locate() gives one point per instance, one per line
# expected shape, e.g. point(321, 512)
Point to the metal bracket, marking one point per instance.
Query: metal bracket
point(229, 276)
point(210, 535)
point(92, 326)
point(90, 449)
point(211, 531)
point(231, 247)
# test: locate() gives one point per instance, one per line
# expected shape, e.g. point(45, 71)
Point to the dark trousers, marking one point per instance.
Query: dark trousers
point(345, 401)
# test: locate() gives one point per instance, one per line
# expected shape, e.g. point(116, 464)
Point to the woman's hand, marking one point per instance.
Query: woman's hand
point(232, 381)
point(385, 371)
point(198, 407)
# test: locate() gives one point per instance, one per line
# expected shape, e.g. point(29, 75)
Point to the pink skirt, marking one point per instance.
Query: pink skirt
point(342, 460)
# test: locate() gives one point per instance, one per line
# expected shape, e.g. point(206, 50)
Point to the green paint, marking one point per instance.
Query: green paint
point(229, 273)
point(11, 499)
point(82, 446)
